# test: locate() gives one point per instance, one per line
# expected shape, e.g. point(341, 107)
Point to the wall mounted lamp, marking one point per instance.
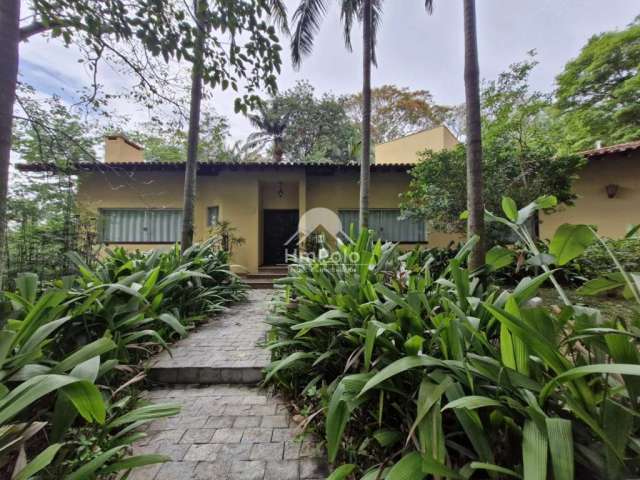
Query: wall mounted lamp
point(280, 190)
point(612, 190)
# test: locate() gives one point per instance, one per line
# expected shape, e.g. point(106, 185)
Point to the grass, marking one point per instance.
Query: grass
point(610, 306)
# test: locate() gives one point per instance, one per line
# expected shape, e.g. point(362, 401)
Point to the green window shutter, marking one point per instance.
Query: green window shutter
point(140, 226)
point(387, 224)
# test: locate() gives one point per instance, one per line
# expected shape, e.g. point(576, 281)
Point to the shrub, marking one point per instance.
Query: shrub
point(71, 353)
point(414, 375)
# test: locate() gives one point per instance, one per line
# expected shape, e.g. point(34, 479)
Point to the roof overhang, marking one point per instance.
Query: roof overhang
point(209, 168)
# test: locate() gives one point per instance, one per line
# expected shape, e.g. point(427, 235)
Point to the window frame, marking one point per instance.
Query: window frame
point(102, 226)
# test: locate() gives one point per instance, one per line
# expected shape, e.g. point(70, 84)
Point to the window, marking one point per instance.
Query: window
point(387, 224)
point(213, 216)
point(140, 226)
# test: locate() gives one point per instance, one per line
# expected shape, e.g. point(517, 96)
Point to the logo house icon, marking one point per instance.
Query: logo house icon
point(317, 221)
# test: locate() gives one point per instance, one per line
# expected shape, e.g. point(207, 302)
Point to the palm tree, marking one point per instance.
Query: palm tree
point(271, 124)
point(475, 202)
point(306, 20)
point(9, 40)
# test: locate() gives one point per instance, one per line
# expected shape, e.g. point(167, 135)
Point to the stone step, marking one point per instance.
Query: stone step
point(259, 283)
point(224, 351)
point(279, 269)
point(265, 275)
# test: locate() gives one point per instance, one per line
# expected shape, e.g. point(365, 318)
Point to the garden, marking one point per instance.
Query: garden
point(412, 366)
point(73, 353)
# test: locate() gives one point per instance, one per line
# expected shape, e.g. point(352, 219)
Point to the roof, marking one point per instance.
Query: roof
point(612, 149)
point(209, 167)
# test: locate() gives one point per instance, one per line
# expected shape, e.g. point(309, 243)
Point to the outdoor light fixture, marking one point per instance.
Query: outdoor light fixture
point(612, 190)
point(280, 191)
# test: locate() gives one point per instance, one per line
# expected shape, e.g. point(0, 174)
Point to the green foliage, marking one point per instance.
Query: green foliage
point(495, 384)
point(164, 143)
point(396, 112)
point(597, 94)
point(304, 128)
point(520, 155)
point(60, 347)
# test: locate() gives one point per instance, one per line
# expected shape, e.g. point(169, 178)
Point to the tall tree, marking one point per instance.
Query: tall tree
point(598, 92)
point(191, 167)
point(9, 41)
point(396, 111)
point(365, 163)
point(475, 201)
point(307, 19)
point(271, 122)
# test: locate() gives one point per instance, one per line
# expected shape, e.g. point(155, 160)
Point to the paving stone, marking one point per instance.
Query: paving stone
point(227, 435)
point(176, 470)
point(275, 421)
point(256, 435)
point(211, 471)
point(282, 470)
point(247, 422)
point(247, 470)
point(267, 451)
point(206, 452)
point(226, 431)
point(198, 435)
point(219, 422)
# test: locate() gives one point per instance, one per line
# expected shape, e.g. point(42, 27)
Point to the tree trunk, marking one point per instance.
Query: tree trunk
point(475, 202)
point(278, 149)
point(363, 218)
point(191, 167)
point(9, 41)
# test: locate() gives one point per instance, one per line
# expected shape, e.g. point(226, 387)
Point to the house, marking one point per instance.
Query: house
point(608, 190)
point(138, 204)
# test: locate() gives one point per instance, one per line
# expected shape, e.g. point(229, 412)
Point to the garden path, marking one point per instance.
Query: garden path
point(229, 428)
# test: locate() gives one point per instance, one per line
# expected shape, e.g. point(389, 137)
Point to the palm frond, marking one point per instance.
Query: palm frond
point(428, 5)
point(348, 13)
point(306, 21)
point(278, 12)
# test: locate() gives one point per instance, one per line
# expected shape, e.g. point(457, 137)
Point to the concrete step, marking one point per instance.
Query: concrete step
point(265, 275)
point(278, 269)
point(259, 283)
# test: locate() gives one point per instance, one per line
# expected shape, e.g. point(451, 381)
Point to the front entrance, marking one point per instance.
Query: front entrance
point(278, 226)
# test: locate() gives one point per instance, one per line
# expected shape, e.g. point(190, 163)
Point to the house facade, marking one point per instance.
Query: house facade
point(138, 204)
point(608, 190)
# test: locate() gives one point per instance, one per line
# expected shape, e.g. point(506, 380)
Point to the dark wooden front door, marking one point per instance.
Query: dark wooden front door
point(278, 226)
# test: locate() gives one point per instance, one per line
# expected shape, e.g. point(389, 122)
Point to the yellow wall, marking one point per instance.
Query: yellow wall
point(593, 207)
point(341, 192)
point(406, 149)
point(120, 149)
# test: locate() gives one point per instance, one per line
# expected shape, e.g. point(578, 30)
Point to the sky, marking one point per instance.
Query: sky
point(415, 50)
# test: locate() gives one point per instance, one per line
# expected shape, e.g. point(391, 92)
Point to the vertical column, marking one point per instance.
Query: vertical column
point(302, 206)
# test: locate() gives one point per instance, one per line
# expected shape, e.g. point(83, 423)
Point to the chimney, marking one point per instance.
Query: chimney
point(119, 149)
point(599, 144)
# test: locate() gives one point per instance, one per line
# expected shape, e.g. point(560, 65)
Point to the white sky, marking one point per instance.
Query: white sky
point(414, 50)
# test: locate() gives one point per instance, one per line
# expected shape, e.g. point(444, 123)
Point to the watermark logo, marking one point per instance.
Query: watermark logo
point(319, 229)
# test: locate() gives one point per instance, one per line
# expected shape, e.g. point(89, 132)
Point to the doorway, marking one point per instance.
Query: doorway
point(278, 227)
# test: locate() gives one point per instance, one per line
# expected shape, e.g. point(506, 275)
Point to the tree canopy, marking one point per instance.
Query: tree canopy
point(521, 158)
point(598, 93)
point(396, 111)
point(314, 128)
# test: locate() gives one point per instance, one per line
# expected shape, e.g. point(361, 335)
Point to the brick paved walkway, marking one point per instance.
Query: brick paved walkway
point(226, 431)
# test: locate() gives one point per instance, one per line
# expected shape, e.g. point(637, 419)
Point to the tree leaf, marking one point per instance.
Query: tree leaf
point(399, 366)
point(570, 241)
point(342, 472)
point(472, 402)
point(561, 448)
point(408, 467)
point(510, 208)
point(534, 452)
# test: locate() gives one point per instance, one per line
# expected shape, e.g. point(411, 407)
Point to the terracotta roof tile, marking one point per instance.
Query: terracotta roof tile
point(612, 149)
